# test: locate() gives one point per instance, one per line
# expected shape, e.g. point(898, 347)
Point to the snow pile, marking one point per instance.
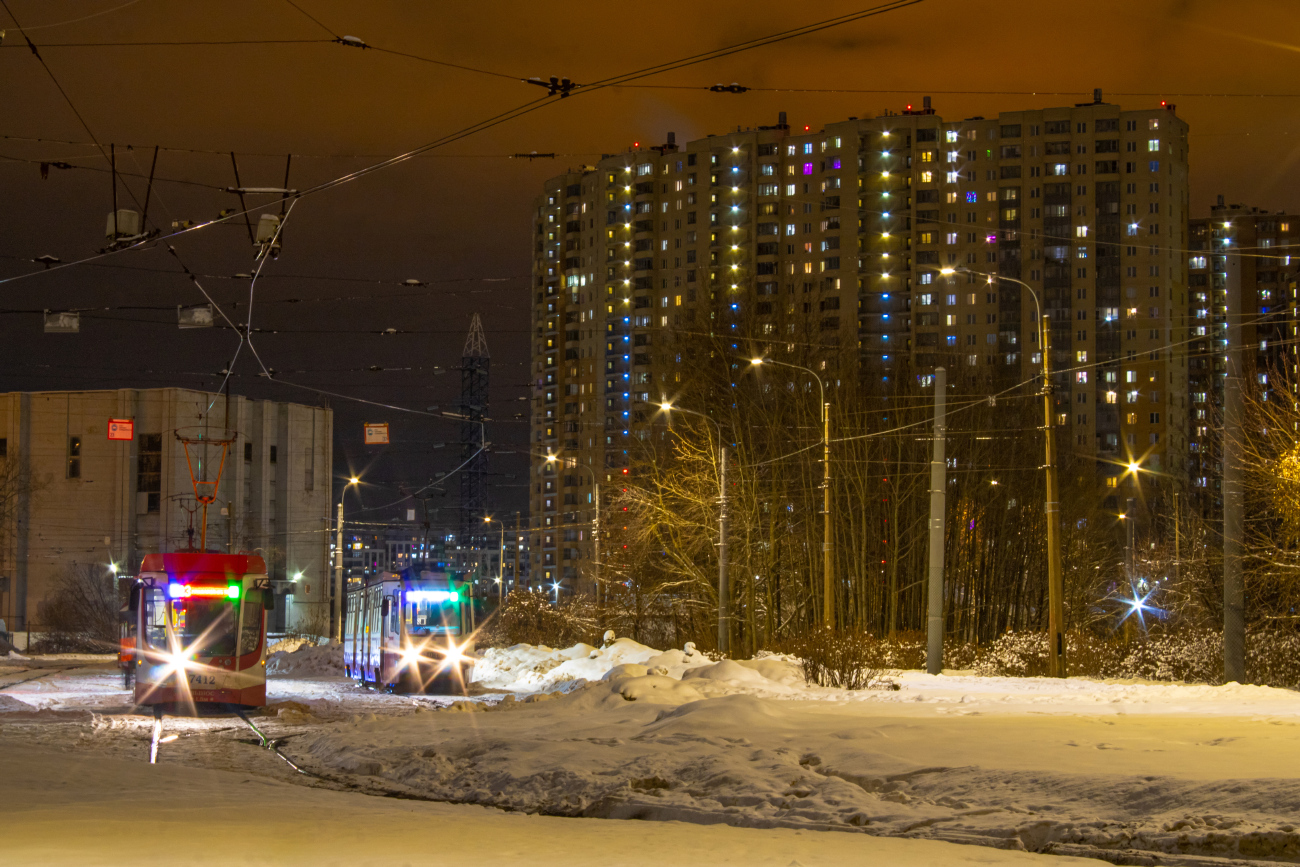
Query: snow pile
point(1039, 763)
point(289, 645)
point(307, 661)
point(527, 668)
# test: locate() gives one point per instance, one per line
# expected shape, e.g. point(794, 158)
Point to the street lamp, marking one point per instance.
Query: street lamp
point(828, 585)
point(1052, 507)
point(724, 589)
point(551, 458)
point(501, 561)
point(338, 563)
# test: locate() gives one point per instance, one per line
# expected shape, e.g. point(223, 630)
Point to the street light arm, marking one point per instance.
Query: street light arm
point(670, 408)
point(821, 387)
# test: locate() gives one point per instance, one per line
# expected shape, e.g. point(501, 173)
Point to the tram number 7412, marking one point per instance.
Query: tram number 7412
point(201, 679)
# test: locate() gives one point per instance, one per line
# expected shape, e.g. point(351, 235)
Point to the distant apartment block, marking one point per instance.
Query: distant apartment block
point(849, 229)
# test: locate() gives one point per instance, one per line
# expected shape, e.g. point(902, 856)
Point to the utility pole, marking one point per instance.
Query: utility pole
point(595, 536)
point(1052, 509)
point(938, 497)
point(1234, 594)
point(828, 584)
point(724, 590)
point(1177, 541)
point(516, 570)
point(338, 573)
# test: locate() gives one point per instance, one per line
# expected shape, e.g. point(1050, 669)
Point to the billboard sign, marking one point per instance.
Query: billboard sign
point(377, 434)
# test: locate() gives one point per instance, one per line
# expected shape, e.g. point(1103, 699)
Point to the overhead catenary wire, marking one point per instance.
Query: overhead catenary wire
point(534, 105)
point(74, 20)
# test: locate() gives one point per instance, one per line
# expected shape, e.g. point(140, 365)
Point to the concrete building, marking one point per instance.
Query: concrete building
point(95, 501)
point(1242, 263)
point(847, 230)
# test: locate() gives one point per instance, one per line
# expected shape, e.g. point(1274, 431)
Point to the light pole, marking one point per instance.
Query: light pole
point(1052, 506)
point(724, 589)
point(828, 585)
point(595, 521)
point(338, 563)
point(501, 562)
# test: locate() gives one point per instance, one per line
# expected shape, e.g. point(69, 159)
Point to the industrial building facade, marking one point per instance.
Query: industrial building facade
point(82, 499)
point(887, 237)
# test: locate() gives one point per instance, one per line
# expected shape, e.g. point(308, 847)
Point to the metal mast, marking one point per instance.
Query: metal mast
point(475, 365)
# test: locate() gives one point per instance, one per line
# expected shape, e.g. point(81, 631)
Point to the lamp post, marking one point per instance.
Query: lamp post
point(828, 584)
point(338, 563)
point(724, 589)
point(595, 522)
point(1052, 506)
point(501, 561)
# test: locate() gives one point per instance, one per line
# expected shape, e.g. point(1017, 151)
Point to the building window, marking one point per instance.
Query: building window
point(272, 457)
point(74, 457)
point(148, 474)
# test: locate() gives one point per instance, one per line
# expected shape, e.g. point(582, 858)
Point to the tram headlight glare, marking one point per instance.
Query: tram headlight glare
point(232, 591)
point(411, 657)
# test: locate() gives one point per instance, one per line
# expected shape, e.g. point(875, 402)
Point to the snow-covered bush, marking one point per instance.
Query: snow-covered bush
point(847, 660)
point(529, 617)
point(1192, 655)
point(1273, 658)
point(1024, 654)
point(1015, 654)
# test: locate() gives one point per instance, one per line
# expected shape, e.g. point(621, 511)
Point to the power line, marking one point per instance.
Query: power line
point(177, 43)
point(73, 20)
point(313, 19)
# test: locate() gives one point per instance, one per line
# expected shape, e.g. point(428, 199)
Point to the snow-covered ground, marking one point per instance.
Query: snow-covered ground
point(74, 809)
point(629, 732)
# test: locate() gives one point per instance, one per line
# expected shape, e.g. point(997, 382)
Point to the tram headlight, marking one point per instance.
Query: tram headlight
point(452, 655)
point(411, 657)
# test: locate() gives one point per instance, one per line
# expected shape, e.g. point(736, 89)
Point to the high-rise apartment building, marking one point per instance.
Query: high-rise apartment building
point(902, 238)
point(1241, 271)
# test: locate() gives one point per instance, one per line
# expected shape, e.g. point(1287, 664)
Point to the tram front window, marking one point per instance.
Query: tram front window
point(428, 617)
point(205, 627)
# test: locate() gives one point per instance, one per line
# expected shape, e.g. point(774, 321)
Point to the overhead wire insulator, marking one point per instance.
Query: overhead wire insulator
point(729, 88)
point(562, 86)
point(352, 41)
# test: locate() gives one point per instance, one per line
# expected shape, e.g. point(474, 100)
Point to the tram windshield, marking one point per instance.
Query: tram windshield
point(205, 627)
point(433, 612)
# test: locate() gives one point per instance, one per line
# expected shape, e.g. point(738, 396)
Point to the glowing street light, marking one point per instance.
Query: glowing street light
point(724, 592)
point(501, 561)
point(828, 588)
point(338, 562)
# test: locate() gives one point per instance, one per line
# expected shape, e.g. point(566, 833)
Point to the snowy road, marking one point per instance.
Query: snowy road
point(80, 810)
point(1179, 774)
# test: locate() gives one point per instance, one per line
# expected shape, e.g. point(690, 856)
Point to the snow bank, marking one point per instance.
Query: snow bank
point(289, 645)
point(307, 661)
point(525, 668)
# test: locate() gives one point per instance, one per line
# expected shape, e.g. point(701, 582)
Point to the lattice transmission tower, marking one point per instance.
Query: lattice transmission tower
point(475, 367)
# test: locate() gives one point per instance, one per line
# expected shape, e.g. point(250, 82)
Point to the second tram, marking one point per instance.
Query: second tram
point(200, 633)
point(409, 632)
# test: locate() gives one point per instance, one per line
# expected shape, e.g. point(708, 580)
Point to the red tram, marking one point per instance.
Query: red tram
point(200, 633)
point(409, 632)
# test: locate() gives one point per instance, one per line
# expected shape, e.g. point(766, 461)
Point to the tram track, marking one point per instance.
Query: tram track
point(44, 673)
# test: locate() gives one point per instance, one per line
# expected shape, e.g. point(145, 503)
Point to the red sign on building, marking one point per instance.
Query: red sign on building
point(121, 429)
